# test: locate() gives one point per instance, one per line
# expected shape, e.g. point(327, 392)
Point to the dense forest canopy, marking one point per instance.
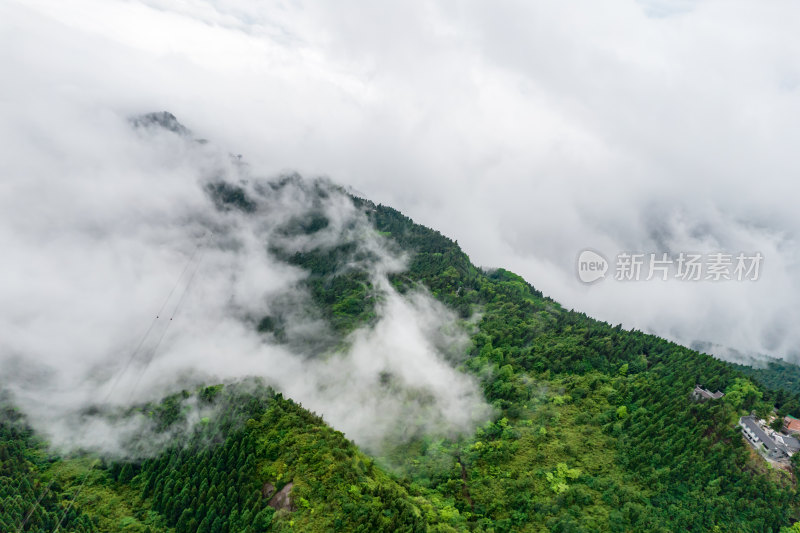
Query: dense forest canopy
point(593, 427)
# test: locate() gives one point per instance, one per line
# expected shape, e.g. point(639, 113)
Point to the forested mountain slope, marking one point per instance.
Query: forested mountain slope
point(593, 427)
point(614, 403)
point(777, 375)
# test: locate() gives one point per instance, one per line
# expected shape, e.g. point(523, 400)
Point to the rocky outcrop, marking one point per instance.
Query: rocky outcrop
point(162, 119)
point(282, 499)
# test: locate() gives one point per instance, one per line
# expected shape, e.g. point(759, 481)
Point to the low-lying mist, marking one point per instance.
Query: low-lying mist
point(140, 260)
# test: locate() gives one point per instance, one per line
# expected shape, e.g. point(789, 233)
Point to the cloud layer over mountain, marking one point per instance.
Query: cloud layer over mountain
point(127, 281)
point(526, 131)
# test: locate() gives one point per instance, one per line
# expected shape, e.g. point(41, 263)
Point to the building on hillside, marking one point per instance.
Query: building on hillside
point(700, 394)
point(791, 444)
point(768, 443)
point(791, 424)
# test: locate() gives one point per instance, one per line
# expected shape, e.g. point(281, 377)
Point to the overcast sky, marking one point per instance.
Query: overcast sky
point(527, 131)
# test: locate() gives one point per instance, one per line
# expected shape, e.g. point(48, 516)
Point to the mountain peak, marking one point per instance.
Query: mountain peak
point(161, 119)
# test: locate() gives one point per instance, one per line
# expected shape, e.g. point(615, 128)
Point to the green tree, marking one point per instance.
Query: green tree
point(742, 394)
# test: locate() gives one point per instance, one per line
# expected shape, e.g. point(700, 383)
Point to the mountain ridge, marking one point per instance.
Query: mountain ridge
point(593, 426)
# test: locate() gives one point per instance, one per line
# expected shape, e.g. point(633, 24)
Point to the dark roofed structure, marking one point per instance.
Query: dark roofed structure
point(776, 447)
point(701, 394)
point(791, 444)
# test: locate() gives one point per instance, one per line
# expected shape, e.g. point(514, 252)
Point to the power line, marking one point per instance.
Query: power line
point(154, 321)
point(164, 332)
point(130, 359)
point(139, 377)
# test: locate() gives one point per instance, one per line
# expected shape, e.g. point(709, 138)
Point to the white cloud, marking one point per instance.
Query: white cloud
point(123, 283)
point(525, 131)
